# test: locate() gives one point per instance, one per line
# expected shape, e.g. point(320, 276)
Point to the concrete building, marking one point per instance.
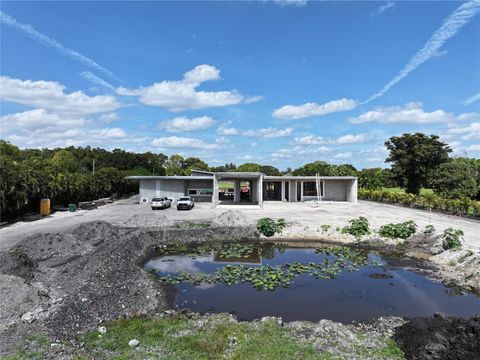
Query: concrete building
point(247, 187)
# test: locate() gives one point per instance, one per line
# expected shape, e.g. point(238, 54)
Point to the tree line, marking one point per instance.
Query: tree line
point(74, 174)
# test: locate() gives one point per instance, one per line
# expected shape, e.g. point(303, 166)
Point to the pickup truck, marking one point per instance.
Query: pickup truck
point(185, 203)
point(160, 203)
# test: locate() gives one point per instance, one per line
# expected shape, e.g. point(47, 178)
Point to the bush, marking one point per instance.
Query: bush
point(325, 227)
point(270, 227)
point(429, 229)
point(452, 239)
point(402, 230)
point(358, 227)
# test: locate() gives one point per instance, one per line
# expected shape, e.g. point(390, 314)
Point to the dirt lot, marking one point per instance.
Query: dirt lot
point(303, 216)
point(69, 273)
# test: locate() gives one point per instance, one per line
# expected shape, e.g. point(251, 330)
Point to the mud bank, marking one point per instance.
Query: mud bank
point(59, 286)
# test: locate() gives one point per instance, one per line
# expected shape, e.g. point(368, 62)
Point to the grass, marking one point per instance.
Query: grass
point(214, 337)
point(181, 338)
point(402, 191)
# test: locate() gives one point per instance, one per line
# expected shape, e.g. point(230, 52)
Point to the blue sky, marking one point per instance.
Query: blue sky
point(275, 82)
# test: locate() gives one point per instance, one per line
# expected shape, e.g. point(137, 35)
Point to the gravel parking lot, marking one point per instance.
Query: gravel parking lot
point(302, 214)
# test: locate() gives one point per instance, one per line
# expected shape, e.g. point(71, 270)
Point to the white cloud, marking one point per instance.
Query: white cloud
point(227, 131)
point(344, 155)
point(472, 99)
point(353, 139)
point(313, 109)
point(265, 133)
point(109, 133)
point(286, 153)
point(183, 123)
point(268, 133)
point(108, 118)
point(182, 143)
point(450, 27)
point(183, 95)
point(48, 41)
point(381, 10)
point(38, 120)
point(410, 113)
point(310, 140)
point(470, 132)
point(342, 140)
point(50, 95)
point(298, 3)
point(87, 75)
point(245, 157)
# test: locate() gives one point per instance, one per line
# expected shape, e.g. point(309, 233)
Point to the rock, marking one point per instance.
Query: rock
point(102, 330)
point(133, 343)
point(278, 320)
point(437, 247)
point(28, 317)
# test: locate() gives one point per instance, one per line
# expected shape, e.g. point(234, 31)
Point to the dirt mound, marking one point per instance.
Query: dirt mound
point(440, 337)
point(16, 263)
point(231, 218)
point(147, 220)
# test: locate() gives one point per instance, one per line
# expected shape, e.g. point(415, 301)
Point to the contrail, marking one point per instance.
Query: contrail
point(48, 41)
point(87, 75)
point(472, 99)
point(450, 27)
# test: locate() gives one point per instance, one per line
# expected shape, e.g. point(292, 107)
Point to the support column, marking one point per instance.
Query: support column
point(215, 191)
point(301, 191)
point(260, 191)
point(352, 191)
point(283, 192)
point(294, 199)
point(236, 193)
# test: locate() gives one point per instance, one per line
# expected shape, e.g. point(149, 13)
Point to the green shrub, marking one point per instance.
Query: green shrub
point(358, 227)
point(429, 229)
point(402, 230)
point(325, 227)
point(270, 227)
point(452, 239)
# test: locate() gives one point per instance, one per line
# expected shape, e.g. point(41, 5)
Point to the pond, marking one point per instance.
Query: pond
point(253, 280)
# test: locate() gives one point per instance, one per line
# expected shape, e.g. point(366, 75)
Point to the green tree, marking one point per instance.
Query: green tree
point(65, 161)
point(249, 167)
point(414, 157)
point(343, 170)
point(318, 167)
point(195, 164)
point(174, 165)
point(456, 179)
point(270, 170)
point(370, 179)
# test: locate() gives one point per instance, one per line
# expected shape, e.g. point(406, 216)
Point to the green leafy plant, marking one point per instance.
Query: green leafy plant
point(325, 227)
point(270, 227)
point(452, 239)
point(358, 227)
point(402, 230)
point(429, 229)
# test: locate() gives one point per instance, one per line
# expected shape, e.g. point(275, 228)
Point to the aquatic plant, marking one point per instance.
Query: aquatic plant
point(358, 227)
point(235, 250)
point(269, 277)
point(401, 230)
point(452, 239)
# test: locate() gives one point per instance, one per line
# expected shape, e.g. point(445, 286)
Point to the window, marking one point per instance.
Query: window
point(310, 188)
point(200, 192)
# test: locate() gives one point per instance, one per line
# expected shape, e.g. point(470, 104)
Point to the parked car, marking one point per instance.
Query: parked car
point(185, 203)
point(160, 203)
point(172, 200)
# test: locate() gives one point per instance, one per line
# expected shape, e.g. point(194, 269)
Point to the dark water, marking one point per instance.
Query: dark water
point(375, 289)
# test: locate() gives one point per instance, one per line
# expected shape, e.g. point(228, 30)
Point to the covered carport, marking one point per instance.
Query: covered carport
point(255, 180)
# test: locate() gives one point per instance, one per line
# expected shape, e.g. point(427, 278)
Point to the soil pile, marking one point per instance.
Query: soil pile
point(231, 218)
point(440, 337)
point(147, 220)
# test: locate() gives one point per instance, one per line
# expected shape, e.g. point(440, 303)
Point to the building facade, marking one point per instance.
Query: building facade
point(247, 187)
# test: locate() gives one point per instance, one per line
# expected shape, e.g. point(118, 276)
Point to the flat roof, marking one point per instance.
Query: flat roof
point(238, 175)
point(153, 177)
point(313, 178)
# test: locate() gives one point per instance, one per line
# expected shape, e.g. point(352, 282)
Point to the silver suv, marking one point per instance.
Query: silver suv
point(160, 203)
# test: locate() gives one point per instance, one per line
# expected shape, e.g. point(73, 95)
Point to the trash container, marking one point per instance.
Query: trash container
point(45, 207)
point(72, 207)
